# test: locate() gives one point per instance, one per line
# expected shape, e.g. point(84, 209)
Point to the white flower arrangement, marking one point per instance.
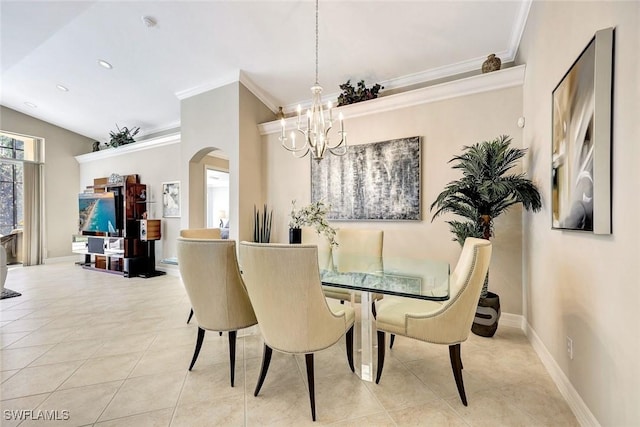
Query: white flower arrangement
point(313, 215)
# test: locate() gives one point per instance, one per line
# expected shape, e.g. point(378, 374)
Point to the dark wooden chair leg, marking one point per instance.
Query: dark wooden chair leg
point(312, 391)
point(393, 338)
point(380, 355)
point(266, 359)
point(232, 354)
point(456, 366)
point(190, 316)
point(198, 346)
point(349, 338)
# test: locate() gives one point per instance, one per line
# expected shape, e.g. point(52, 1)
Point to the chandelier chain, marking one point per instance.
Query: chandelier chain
point(316, 125)
point(317, 42)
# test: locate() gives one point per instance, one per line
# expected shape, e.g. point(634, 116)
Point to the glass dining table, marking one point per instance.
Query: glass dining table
point(406, 277)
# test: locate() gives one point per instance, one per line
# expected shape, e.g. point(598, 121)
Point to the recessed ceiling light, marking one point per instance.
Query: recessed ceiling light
point(30, 104)
point(105, 64)
point(62, 88)
point(148, 21)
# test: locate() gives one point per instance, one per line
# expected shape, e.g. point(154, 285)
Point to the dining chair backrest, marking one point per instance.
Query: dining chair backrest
point(210, 273)
point(465, 284)
point(358, 250)
point(201, 233)
point(283, 283)
point(311, 237)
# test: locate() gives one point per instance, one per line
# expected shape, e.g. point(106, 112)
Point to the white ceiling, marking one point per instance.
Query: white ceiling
point(197, 46)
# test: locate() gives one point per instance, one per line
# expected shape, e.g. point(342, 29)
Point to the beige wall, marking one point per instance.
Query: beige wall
point(579, 284)
point(210, 121)
point(61, 176)
point(252, 185)
point(197, 179)
point(445, 126)
point(225, 118)
point(154, 166)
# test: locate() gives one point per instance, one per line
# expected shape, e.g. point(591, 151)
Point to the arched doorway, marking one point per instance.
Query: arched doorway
point(209, 189)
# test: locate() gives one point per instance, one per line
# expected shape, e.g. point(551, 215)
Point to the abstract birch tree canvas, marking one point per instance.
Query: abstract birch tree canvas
point(377, 181)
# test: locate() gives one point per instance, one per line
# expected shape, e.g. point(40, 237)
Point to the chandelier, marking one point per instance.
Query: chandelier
point(316, 125)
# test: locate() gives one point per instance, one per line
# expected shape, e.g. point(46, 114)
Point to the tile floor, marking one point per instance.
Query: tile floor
point(108, 351)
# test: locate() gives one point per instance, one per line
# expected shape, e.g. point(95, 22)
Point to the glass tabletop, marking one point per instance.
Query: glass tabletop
point(405, 277)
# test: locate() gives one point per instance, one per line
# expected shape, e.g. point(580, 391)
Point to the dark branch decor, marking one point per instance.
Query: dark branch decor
point(124, 136)
point(581, 140)
point(378, 181)
point(351, 95)
point(262, 225)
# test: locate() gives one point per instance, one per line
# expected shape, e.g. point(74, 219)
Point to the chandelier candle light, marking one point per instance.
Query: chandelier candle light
point(318, 125)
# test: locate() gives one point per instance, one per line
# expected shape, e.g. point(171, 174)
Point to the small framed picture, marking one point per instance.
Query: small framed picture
point(171, 199)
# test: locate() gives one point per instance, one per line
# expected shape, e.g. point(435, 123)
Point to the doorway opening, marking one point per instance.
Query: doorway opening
point(217, 206)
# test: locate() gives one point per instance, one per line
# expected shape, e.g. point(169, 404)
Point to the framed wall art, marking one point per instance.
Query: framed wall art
point(171, 199)
point(377, 181)
point(581, 140)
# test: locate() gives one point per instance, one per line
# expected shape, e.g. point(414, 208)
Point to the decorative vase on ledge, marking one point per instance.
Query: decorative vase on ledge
point(295, 236)
point(493, 63)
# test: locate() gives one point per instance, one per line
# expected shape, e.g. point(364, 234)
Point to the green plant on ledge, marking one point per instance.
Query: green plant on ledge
point(124, 136)
point(351, 95)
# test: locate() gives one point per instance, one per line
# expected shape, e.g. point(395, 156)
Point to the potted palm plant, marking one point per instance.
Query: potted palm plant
point(484, 192)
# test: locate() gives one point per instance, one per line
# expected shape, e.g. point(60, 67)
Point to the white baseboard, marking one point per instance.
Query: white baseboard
point(512, 320)
point(60, 259)
point(170, 271)
point(577, 405)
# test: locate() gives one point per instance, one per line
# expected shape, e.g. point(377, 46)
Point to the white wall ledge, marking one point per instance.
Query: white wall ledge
point(502, 79)
point(147, 144)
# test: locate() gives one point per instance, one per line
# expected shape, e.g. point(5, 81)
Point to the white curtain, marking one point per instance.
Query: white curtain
point(33, 235)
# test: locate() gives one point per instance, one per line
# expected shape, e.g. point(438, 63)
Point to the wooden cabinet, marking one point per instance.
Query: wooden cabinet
point(135, 257)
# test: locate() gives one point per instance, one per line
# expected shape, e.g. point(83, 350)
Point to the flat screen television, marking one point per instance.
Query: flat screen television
point(97, 212)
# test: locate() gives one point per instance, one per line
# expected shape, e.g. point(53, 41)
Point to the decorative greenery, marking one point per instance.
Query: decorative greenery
point(351, 95)
point(313, 215)
point(262, 225)
point(124, 136)
point(485, 191)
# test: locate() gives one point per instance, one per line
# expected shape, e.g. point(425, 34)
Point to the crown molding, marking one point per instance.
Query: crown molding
point(210, 85)
point(263, 96)
point(423, 77)
point(160, 141)
point(236, 76)
point(518, 30)
point(509, 77)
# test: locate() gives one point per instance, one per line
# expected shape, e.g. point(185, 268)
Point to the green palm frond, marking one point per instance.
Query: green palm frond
point(485, 188)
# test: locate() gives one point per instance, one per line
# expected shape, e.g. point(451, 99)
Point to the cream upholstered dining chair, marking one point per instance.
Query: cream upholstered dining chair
point(283, 283)
point(358, 251)
point(311, 237)
point(200, 233)
point(440, 322)
point(210, 273)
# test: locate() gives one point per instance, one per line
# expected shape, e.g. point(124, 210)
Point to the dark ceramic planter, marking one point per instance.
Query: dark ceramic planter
point(485, 323)
point(295, 235)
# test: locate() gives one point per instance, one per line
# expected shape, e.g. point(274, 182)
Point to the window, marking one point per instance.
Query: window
point(11, 183)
